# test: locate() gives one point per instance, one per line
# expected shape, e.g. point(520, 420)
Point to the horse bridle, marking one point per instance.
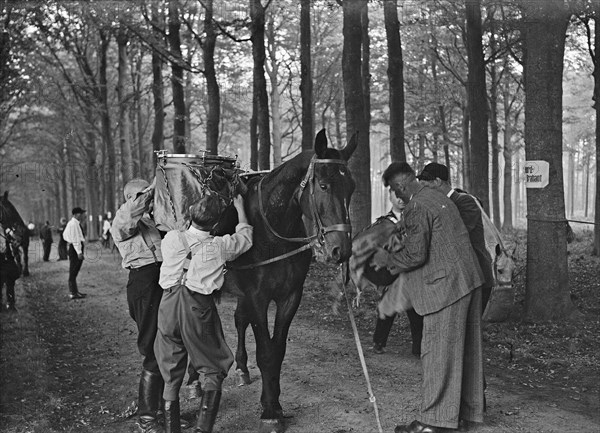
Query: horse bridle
point(322, 230)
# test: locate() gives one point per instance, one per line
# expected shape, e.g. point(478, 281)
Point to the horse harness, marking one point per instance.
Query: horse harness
point(322, 230)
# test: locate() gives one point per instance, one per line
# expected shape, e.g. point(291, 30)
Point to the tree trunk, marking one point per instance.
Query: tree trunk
point(106, 126)
point(364, 66)
point(213, 111)
point(273, 71)
point(179, 116)
point(477, 97)
point(494, 129)
point(306, 78)
point(254, 136)
point(360, 163)
point(517, 186)
point(507, 153)
point(596, 74)
point(395, 74)
point(92, 187)
point(571, 177)
point(127, 169)
point(157, 91)
point(547, 290)
point(466, 150)
point(257, 16)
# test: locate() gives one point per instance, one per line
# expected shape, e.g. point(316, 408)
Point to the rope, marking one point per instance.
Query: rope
point(582, 222)
point(361, 355)
point(168, 192)
point(273, 260)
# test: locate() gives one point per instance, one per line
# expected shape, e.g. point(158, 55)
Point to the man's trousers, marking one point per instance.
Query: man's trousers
point(452, 361)
point(189, 325)
point(143, 299)
point(74, 267)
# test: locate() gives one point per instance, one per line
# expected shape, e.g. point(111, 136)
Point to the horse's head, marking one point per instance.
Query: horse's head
point(504, 267)
point(11, 220)
point(325, 200)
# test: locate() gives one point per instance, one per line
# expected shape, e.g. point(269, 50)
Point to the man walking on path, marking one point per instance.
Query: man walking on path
point(46, 237)
point(73, 235)
point(62, 244)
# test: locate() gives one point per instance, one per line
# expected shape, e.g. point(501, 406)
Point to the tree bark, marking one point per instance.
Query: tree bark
point(106, 126)
point(257, 17)
point(466, 149)
point(494, 129)
point(360, 163)
point(395, 74)
point(158, 140)
point(478, 111)
point(596, 74)
point(213, 111)
point(127, 168)
point(306, 78)
point(179, 116)
point(507, 224)
point(547, 290)
point(273, 72)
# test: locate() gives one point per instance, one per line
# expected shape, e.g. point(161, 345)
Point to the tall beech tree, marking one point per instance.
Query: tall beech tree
point(179, 116)
point(395, 76)
point(306, 78)
point(477, 105)
point(260, 105)
point(356, 118)
point(547, 293)
point(213, 96)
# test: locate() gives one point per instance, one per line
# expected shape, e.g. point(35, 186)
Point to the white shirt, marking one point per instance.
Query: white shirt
point(450, 192)
point(74, 235)
point(209, 254)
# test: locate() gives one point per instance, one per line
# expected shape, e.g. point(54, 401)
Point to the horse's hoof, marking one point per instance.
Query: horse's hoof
point(271, 426)
point(243, 378)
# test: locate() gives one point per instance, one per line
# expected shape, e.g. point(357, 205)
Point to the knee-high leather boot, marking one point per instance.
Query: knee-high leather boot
point(172, 417)
point(208, 411)
point(150, 384)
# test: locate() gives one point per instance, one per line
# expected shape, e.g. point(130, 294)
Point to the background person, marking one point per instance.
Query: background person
point(62, 244)
point(75, 239)
point(138, 240)
point(46, 237)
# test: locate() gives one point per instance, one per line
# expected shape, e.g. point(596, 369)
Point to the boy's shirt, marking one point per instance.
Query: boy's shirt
point(205, 273)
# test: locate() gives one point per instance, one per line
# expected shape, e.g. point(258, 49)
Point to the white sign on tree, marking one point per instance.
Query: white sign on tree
point(537, 174)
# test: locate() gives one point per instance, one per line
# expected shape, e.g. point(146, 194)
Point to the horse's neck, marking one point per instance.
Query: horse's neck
point(278, 192)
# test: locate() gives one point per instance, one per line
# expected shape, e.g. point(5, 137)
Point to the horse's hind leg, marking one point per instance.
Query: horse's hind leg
point(241, 355)
point(26, 259)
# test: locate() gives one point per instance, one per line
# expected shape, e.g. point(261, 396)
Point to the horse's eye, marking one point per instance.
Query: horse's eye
point(343, 171)
point(323, 186)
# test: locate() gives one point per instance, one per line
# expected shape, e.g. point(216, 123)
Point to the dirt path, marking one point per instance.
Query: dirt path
point(71, 366)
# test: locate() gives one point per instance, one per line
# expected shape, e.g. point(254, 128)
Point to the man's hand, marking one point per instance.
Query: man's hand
point(80, 256)
point(380, 259)
point(151, 186)
point(238, 202)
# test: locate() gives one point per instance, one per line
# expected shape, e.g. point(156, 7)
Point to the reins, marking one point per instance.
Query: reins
point(308, 241)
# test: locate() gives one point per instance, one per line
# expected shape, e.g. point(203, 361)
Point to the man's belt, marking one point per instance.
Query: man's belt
point(149, 265)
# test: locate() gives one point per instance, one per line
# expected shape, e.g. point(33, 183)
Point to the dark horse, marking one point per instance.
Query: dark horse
point(14, 233)
point(302, 202)
point(10, 219)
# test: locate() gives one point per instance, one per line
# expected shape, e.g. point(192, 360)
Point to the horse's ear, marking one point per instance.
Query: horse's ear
point(347, 151)
point(321, 143)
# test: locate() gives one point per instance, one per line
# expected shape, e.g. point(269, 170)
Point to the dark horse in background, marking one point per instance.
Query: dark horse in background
point(16, 236)
point(10, 218)
point(301, 205)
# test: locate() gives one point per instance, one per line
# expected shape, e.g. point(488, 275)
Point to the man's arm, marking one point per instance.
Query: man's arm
point(415, 252)
point(469, 211)
point(124, 225)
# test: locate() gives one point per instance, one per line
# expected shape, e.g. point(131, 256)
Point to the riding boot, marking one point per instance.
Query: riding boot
point(148, 400)
point(172, 417)
point(416, 330)
point(208, 411)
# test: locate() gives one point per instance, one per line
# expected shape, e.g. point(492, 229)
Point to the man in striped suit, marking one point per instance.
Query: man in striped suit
point(443, 282)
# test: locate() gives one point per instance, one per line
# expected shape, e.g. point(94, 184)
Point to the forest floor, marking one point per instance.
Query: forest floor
point(72, 366)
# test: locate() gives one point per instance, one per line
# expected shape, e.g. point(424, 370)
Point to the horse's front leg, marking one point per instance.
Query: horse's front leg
point(270, 360)
point(241, 355)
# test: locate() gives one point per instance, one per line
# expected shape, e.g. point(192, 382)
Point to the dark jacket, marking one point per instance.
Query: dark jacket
point(440, 264)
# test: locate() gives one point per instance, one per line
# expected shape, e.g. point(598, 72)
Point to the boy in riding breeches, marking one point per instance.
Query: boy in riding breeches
point(138, 240)
point(188, 320)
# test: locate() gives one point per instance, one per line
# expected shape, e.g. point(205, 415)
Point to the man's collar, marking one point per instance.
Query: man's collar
point(196, 232)
point(450, 192)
